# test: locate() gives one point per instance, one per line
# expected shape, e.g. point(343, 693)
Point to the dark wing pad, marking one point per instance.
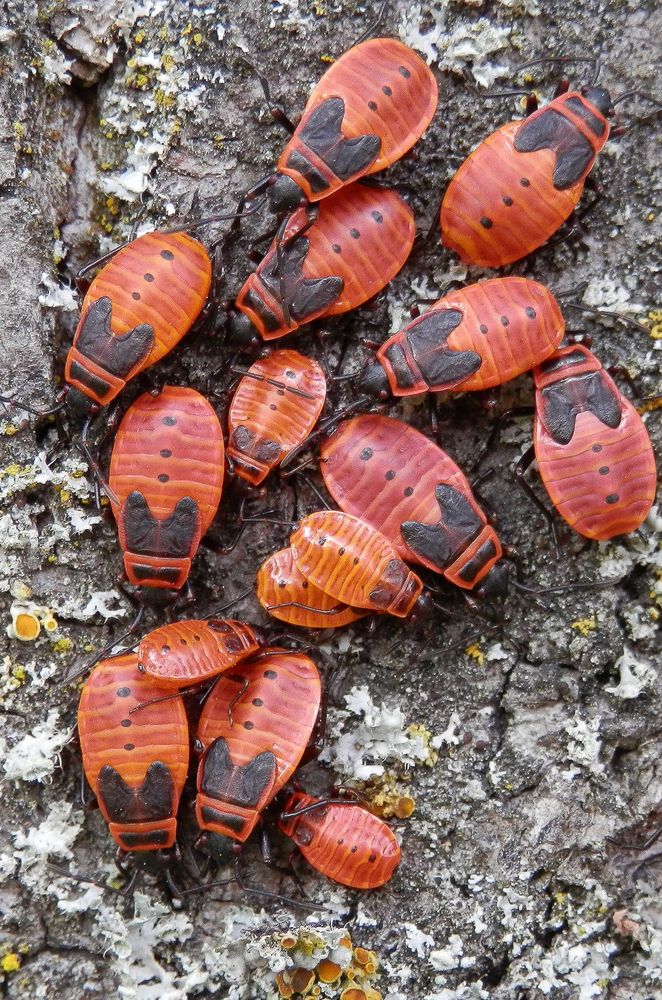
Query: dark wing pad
point(443, 542)
point(438, 364)
point(153, 800)
point(322, 134)
point(238, 785)
point(550, 130)
point(283, 276)
point(562, 402)
point(146, 535)
point(115, 354)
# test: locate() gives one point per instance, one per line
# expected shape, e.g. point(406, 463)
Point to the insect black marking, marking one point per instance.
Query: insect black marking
point(167, 255)
point(165, 453)
point(507, 200)
point(163, 478)
point(135, 295)
point(487, 223)
point(123, 692)
point(169, 421)
point(612, 498)
point(530, 312)
point(148, 277)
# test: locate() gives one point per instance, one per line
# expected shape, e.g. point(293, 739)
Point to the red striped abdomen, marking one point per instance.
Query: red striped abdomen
point(266, 421)
point(603, 481)
point(361, 238)
point(388, 93)
point(274, 699)
point(344, 842)
point(119, 750)
point(501, 205)
point(167, 471)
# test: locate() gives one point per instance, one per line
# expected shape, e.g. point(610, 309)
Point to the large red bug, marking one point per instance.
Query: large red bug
point(274, 408)
point(253, 730)
point(137, 308)
point(166, 477)
point(142, 302)
point(522, 182)
point(593, 451)
point(368, 109)
point(411, 491)
point(358, 243)
point(284, 592)
point(135, 762)
point(341, 840)
point(350, 560)
point(194, 651)
point(471, 339)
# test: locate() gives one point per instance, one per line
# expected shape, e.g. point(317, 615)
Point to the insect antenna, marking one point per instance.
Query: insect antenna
point(107, 649)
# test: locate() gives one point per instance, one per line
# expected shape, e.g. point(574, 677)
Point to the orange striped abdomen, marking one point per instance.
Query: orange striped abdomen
point(359, 242)
point(603, 481)
point(166, 470)
point(286, 594)
point(380, 96)
point(501, 205)
point(266, 419)
point(153, 290)
point(474, 338)
point(254, 728)
point(191, 652)
point(350, 560)
point(344, 842)
point(135, 763)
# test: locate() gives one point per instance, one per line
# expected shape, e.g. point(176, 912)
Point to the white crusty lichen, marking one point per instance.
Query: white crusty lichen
point(365, 748)
point(636, 675)
point(469, 45)
point(53, 837)
point(36, 755)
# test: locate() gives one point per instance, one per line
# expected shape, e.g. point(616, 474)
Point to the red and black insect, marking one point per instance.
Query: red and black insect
point(593, 451)
point(406, 487)
point(342, 840)
point(351, 561)
point(286, 594)
point(273, 410)
point(166, 477)
point(135, 762)
point(254, 729)
point(471, 339)
point(370, 107)
point(138, 307)
point(358, 243)
point(191, 652)
point(522, 182)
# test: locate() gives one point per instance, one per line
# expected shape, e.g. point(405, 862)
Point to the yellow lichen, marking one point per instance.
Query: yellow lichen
point(327, 59)
point(476, 653)
point(63, 645)
point(11, 962)
point(19, 673)
point(655, 316)
point(139, 37)
point(585, 625)
point(10, 430)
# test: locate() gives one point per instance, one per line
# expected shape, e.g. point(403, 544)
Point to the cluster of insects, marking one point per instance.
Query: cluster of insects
point(401, 500)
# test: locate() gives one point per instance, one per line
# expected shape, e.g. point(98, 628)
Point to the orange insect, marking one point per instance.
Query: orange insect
point(522, 182)
point(370, 107)
point(471, 339)
point(405, 486)
point(192, 652)
point(166, 477)
point(358, 243)
point(136, 763)
point(139, 306)
point(593, 451)
point(343, 841)
point(352, 562)
point(286, 594)
point(253, 731)
point(274, 409)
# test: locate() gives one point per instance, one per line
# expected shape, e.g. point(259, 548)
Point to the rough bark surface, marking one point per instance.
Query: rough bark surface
point(525, 869)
